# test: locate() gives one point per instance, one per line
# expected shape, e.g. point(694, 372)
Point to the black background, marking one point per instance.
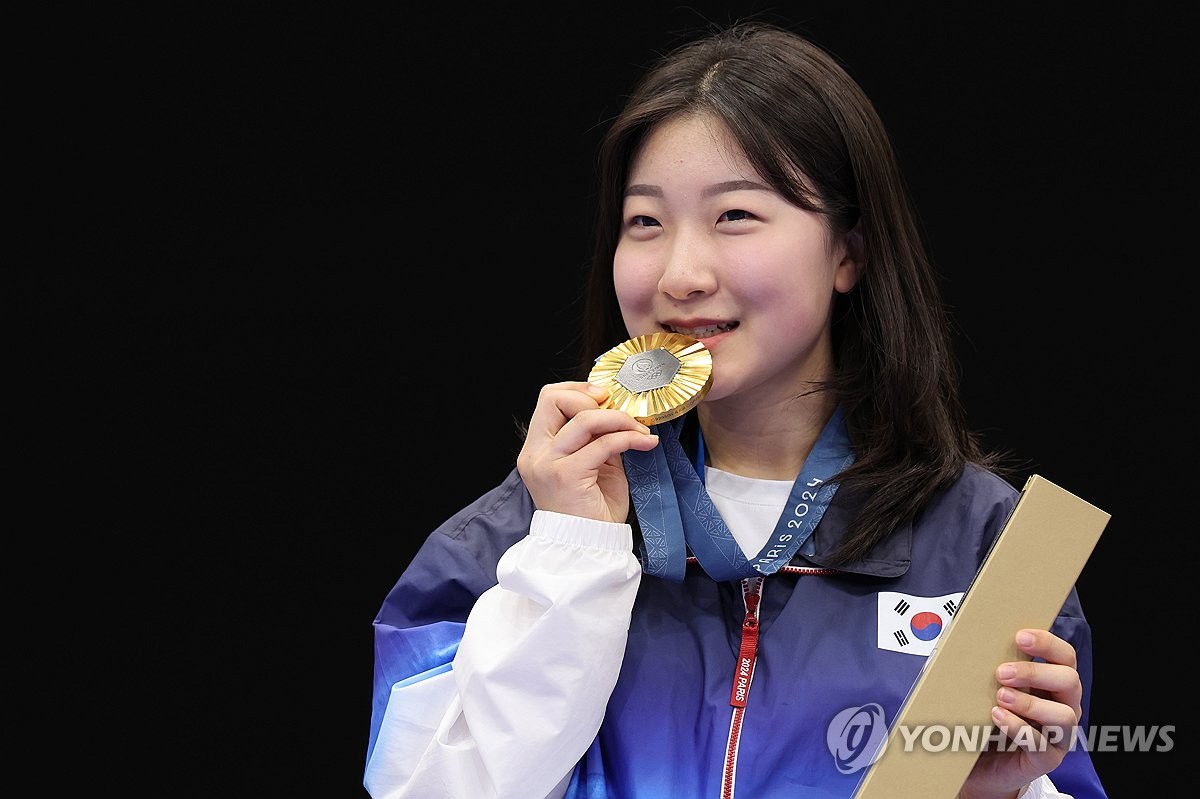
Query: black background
point(295, 272)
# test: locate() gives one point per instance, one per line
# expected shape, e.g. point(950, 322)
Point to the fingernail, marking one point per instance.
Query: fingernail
point(1007, 671)
point(1006, 696)
point(1025, 639)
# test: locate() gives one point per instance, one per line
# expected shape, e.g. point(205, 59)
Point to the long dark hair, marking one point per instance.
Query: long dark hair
point(795, 111)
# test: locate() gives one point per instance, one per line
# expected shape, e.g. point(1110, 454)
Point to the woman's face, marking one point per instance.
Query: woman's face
point(708, 249)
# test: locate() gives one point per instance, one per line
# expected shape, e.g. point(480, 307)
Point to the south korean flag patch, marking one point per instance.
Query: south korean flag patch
point(913, 624)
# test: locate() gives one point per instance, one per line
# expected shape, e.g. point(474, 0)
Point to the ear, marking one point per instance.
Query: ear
point(850, 267)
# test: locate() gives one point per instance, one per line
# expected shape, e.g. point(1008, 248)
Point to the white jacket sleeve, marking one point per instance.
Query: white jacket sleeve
point(527, 690)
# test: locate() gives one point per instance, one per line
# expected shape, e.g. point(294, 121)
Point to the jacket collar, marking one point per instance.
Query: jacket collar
point(891, 557)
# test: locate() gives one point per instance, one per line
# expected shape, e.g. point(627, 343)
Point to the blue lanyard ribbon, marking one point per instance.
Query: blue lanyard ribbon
point(676, 514)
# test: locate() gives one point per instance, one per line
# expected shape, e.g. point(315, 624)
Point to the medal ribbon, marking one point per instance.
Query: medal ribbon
point(676, 514)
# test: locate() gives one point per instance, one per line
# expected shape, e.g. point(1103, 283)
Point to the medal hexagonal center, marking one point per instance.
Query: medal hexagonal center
point(648, 370)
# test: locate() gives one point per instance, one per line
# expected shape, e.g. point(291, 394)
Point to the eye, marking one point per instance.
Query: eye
point(641, 220)
point(735, 215)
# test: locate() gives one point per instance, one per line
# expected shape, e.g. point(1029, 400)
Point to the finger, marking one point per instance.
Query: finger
point(1046, 677)
point(1059, 685)
point(558, 403)
point(1049, 738)
point(589, 425)
point(1043, 713)
point(1056, 678)
point(607, 448)
point(1047, 646)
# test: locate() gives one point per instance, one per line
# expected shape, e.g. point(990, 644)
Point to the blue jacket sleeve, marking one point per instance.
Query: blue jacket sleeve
point(1076, 775)
point(422, 618)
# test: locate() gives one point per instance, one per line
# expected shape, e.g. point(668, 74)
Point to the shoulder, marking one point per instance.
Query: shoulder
point(457, 561)
point(503, 509)
point(958, 521)
point(939, 551)
point(977, 492)
point(971, 510)
point(484, 530)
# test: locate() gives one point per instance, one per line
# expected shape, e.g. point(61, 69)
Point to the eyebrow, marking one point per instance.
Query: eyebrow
point(648, 190)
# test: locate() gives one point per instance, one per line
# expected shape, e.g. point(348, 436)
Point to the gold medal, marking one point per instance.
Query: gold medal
point(655, 378)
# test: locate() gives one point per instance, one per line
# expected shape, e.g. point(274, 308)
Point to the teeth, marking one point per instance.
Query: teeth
point(702, 332)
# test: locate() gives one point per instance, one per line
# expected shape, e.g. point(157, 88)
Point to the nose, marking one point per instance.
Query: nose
point(688, 270)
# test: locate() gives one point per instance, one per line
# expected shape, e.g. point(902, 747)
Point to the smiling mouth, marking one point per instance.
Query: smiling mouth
point(702, 332)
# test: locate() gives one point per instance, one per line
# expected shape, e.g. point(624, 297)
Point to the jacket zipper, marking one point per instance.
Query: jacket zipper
point(743, 674)
point(752, 588)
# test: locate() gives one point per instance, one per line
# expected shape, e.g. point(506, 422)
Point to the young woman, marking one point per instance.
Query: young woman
point(684, 610)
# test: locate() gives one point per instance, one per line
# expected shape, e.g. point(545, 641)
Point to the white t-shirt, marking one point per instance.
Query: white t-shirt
point(749, 506)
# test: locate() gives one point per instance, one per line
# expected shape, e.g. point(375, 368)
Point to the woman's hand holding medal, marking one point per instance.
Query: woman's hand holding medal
point(571, 459)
